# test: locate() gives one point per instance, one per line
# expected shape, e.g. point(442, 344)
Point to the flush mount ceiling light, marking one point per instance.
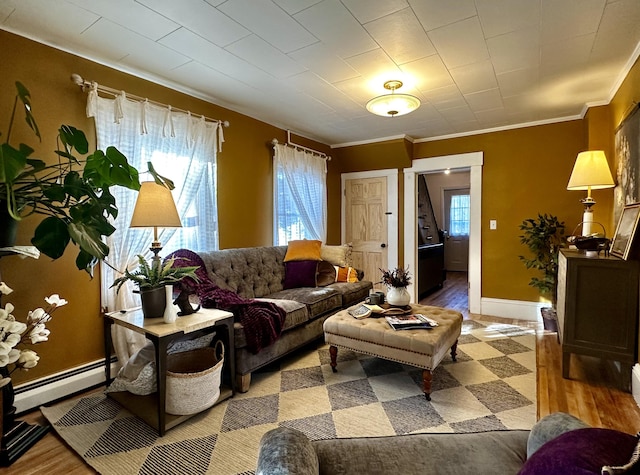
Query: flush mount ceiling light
point(391, 105)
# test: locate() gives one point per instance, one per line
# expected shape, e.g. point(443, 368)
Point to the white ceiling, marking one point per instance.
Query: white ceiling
point(311, 65)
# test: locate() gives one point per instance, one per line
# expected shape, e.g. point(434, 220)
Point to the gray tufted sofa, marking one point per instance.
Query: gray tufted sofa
point(258, 273)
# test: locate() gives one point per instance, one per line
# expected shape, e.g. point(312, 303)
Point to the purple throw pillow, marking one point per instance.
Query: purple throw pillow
point(581, 451)
point(299, 274)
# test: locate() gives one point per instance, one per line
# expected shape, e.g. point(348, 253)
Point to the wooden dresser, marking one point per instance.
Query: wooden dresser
point(598, 309)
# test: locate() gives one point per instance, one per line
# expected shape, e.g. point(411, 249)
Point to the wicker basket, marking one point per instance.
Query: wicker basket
point(193, 379)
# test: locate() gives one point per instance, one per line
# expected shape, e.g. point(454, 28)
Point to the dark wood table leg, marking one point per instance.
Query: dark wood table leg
point(566, 363)
point(108, 324)
point(427, 377)
point(454, 351)
point(160, 345)
point(333, 351)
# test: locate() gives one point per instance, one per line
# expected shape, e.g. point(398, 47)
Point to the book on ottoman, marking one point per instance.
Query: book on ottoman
point(411, 322)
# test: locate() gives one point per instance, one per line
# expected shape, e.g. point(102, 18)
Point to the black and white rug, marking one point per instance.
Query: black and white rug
point(491, 386)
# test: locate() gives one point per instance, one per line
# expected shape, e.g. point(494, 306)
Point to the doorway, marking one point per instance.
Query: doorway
point(473, 161)
point(456, 225)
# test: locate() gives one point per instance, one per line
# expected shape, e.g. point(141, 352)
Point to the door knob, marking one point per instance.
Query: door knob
point(383, 245)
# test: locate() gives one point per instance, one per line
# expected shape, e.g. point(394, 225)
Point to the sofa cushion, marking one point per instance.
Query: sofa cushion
point(250, 272)
point(581, 451)
point(303, 250)
point(352, 293)
point(299, 274)
point(493, 452)
point(297, 313)
point(550, 427)
point(326, 274)
point(319, 300)
point(337, 255)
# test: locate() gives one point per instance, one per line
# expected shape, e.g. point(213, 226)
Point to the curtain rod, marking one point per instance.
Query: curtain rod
point(302, 147)
point(84, 85)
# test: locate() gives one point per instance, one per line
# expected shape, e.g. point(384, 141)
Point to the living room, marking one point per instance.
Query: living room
point(525, 171)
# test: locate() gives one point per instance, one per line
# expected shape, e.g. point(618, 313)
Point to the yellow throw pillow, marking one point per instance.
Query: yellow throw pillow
point(303, 250)
point(337, 255)
point(346, 274)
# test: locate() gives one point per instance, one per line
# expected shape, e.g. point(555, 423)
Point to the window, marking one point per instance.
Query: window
point(459, 215)
point(300, 202)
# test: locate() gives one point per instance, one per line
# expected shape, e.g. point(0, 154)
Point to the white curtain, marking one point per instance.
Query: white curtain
point(300, 195)
point(182, 148)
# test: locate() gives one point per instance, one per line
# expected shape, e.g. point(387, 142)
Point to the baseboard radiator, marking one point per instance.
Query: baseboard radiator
point(60, 385)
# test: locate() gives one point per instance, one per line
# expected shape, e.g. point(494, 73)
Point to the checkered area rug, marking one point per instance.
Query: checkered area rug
point(491, 386)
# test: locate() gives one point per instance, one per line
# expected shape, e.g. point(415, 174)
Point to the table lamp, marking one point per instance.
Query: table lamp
point(155, 209)
point(590, 172)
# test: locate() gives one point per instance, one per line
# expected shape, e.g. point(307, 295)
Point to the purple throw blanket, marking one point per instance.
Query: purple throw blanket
point(262, 321)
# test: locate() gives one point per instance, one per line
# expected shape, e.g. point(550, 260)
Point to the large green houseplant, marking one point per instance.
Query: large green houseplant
point(72, 195)
point(544, 236)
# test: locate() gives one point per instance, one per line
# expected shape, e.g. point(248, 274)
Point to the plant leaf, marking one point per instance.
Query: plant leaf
point(51, 237)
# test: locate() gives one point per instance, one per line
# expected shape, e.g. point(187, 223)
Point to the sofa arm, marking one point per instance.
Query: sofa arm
point(550, 427)
point(285, 451)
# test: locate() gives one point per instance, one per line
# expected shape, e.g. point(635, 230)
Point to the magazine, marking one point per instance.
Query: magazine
point(411, 322)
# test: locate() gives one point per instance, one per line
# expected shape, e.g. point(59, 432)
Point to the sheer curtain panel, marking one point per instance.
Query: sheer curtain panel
point(181, 147)
point(300, 195)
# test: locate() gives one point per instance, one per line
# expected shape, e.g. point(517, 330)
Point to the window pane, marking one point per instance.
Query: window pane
point(459, 215)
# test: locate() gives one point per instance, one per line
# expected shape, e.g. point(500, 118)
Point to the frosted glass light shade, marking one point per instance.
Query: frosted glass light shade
point(155, 208)
point(591, 172)
point(391, 105)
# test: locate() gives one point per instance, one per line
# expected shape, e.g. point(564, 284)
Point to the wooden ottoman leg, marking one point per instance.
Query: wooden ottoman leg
point(333, 351)
point(454, 350)
point(427, 376)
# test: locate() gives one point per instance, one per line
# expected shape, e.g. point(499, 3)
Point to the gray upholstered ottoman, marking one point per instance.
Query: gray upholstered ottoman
point(373, 336)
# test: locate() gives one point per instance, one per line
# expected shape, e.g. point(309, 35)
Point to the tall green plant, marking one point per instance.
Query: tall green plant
point(544, 237)
point(73, 194)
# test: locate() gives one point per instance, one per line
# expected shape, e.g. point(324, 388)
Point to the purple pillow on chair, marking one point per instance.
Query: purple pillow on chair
point(582, 451)
point(299, 274)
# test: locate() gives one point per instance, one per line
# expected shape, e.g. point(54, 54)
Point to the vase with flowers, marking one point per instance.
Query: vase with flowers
point(397, 281)
point(16, 339)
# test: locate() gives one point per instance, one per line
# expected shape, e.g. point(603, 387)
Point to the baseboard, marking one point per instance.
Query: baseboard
point(519, 309)
point(57, 386)
point(635, 383)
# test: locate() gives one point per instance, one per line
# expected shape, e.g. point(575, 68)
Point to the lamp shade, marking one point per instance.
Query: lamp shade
point(591, 171)
point(155, 208)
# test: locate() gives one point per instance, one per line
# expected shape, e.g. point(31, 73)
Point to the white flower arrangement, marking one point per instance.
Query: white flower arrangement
point(14, 335)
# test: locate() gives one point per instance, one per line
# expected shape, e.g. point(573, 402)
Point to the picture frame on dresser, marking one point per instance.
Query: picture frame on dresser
point(624, 242)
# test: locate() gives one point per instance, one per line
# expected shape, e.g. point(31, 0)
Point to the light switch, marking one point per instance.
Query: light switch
point(493, 224)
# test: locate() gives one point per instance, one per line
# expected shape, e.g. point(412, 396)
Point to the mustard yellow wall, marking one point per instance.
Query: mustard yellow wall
point(244, 188)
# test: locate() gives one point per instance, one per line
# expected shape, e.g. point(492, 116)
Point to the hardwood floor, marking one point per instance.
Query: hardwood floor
point(592, 394)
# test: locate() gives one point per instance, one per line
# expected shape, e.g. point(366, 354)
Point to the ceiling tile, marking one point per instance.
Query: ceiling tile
point(436, 13)
point(131, 15)
point(198, 16)
point(446, 97)
point(312, 85)
point(375, 66)
point(334, 25)
point(324, 62)
point(566, 19)
point(366, 10)
point(475, 77)
point(513, 83)
point(294, 6)
point(264, 56)
point(484, 100)
point(515, 50)
point(562, 56)
point(505, 16)
point(460, 43)
point(428, 73)
point(269, 22)
point(401, 35)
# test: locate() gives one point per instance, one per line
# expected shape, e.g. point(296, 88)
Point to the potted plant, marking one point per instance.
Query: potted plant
point(151, 280)
point(397, 281)
point(544, 237)
point(72, 196)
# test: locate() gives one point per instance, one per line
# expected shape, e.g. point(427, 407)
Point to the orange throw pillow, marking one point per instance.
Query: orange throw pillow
point(303, 250)
point(346, 274)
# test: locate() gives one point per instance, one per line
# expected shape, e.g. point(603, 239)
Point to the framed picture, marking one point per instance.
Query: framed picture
point(623, 241)
point(627, 162)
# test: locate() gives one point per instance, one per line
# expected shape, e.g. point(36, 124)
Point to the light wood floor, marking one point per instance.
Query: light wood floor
point(591, 394)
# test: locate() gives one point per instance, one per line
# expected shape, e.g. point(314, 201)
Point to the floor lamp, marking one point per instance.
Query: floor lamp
point(590, 172)
point(155, 208)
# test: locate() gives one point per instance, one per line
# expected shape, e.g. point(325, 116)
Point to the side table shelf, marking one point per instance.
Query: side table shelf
point(151, 408)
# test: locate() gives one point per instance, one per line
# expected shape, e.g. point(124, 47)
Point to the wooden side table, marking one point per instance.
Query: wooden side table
point(151, 408)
